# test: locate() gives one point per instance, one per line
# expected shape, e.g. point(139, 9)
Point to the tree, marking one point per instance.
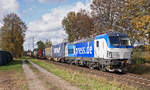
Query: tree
point(106, 13)
point(13, 33)
point(135, 19)
point(48, 44)
point(77, 25)
point(68, 27)
point(40, 45)
point(142, 25)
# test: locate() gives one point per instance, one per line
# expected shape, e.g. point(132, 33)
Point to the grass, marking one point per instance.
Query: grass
point(13, 65)
point(83, 80)
point(15, 70)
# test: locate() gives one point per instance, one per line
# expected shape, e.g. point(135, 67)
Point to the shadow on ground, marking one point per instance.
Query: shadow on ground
point(14, 62)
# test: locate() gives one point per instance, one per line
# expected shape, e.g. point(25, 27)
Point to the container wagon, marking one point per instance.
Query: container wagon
point(48, 53)
point(41, 53)
point(58, 52)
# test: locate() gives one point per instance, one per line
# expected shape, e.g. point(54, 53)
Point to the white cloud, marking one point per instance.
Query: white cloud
point(51, 1)
point(49, 25)
point(7, 6)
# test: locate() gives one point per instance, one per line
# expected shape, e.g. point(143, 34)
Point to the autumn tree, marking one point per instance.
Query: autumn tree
point(77, 25)
point(135, 19)
point(106, 13)
point(40, 45)
point(12, 34)
point(67, 25)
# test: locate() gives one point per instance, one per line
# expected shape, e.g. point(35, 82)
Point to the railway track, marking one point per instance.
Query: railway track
point(128, 78)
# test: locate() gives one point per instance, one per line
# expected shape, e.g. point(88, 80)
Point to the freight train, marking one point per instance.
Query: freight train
point(108, 52)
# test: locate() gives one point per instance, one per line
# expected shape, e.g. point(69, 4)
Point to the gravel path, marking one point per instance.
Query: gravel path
point(33, 82)
point(53, 79)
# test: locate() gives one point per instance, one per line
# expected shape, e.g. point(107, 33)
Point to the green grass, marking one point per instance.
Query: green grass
point(83, 80)
point(13, 65)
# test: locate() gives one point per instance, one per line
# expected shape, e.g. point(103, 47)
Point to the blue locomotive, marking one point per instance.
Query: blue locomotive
point(109, 52)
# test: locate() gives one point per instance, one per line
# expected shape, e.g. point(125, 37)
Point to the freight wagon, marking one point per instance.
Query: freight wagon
point(109, 52)
point(58, 52)
point(48, 53)
point(41, 53)
point(29, 53)
point(35, 53)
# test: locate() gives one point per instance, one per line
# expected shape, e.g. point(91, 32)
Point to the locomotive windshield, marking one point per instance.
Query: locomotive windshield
point(119, 41)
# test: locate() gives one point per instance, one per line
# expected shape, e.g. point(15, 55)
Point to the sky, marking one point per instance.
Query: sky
point(42, 17)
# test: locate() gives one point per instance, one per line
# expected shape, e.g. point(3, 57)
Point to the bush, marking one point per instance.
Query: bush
point(138, 69)
point(146, 47)
point(140, 60)
point(137, 60)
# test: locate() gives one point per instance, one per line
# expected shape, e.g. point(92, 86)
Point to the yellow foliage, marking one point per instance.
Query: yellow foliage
point(147, 47)
point(142, 23)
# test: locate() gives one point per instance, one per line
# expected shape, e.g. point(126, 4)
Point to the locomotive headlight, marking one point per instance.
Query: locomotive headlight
point(109, 54)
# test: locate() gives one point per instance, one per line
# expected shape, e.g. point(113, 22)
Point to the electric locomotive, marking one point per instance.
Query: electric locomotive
point(113, 50)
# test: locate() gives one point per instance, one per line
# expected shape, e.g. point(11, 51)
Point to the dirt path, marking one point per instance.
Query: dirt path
point(54, 80)
point(33, 82)
point(10, 81)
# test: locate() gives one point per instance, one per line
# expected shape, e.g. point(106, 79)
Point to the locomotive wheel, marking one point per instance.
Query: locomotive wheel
point(104, 68)
point(99, 67)
point(124, 70)
point(91, 65)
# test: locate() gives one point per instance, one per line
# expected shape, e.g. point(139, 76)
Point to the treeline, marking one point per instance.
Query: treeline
point(12, 34)
point(128, 16)
point(42, 45)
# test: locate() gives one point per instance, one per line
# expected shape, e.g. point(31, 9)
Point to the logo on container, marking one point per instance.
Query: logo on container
point(57, 50)
point(83, 50)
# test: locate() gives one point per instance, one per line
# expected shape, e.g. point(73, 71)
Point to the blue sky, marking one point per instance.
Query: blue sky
point(42, 17)
point(33, 9)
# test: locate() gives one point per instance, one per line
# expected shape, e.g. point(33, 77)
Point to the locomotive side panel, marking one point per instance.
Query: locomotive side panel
point(84, 49)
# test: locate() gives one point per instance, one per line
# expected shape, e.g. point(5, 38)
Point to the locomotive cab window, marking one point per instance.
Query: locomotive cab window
point(97, 43)
point(119, 41)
